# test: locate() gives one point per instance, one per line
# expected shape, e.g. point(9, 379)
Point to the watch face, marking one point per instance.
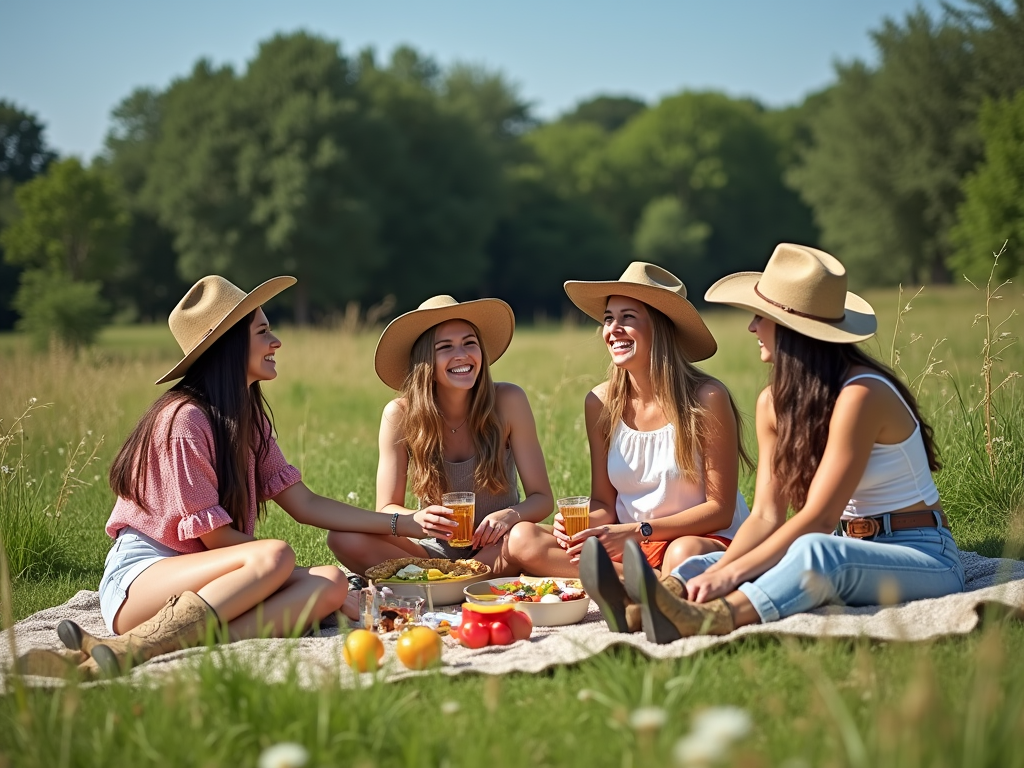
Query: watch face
point(646, 529)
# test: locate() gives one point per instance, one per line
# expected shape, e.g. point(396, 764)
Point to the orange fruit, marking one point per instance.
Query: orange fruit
point(419, 648)
point(363, 650)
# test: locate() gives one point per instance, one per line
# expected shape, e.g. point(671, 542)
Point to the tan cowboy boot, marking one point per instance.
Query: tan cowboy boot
point(46, 663)
point(181, 623)
point(634, 616)
point(665, 613)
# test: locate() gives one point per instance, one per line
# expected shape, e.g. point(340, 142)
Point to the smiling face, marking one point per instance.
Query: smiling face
point(262, 346)
point(765, 331)
point(627, 332)
point(457, 355)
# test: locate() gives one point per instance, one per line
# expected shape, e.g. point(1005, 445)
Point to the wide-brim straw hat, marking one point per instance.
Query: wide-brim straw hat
point(803, 289)
point(208, 310)
point(493, 318)
point(656, 287)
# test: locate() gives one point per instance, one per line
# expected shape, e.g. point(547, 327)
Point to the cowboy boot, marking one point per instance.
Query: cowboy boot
point(665, 613)
point(602, 583)
point(181, 623)
point(46, 663)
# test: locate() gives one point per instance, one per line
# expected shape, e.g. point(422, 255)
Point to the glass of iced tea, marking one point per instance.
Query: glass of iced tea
point(575, 513)
point(464, 507)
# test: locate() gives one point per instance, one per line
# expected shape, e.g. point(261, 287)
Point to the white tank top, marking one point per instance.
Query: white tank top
point(642, 467)
point(897, 475)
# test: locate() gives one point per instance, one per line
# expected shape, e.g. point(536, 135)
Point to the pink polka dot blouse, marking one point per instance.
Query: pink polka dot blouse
point(181, 499)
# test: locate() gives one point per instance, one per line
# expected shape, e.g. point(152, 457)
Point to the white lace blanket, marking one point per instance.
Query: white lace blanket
point(989, 582)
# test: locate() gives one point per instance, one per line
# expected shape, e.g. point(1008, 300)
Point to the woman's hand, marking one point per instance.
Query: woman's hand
point(436, 521)
point(711, 585)
point(493, 527)
point(558, 529)
point(612, 537)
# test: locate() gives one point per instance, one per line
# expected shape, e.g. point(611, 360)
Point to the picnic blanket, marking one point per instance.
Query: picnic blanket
point(990, 582)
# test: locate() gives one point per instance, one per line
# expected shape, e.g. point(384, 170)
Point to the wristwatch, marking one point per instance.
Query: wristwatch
point(646, 530)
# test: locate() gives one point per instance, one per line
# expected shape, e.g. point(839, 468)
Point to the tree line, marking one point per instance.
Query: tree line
point(369, 179)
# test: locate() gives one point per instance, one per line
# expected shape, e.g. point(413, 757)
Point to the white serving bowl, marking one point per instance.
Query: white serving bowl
point(541, 614)
point(436, 593)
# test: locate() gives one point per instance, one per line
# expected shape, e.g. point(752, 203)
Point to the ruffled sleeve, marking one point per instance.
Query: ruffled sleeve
point(190, 467)
point(276, 473)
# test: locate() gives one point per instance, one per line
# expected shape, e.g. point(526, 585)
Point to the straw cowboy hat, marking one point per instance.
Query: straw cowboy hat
point(208, 310)
point(803, 289)
point(656, 287)
point(492, 317)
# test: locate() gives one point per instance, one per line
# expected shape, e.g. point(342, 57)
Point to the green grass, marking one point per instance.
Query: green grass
point(813, 703)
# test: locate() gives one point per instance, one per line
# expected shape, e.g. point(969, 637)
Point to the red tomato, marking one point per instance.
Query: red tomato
point(500, 633)
point(521, 625)
point(474, 634)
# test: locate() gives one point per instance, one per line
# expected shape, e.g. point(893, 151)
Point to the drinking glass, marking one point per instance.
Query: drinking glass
point(575, 513)
point(463, 505)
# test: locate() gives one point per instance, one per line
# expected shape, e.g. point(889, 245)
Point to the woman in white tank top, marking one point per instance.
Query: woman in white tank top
point(664, 437)
point(841, 441)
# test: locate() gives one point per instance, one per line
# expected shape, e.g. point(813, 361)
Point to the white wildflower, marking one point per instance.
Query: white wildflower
point(585, 694)
point(352, 496)
point(284, 755)
point(33, 400)
point(699, 750)
point(722, 723)
point(450, 707)
point(60, 451)
point(5, 469)
point(647, 718)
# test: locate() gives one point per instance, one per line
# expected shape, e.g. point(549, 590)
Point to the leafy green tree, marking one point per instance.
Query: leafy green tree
point(716, 157)
point(148, 284)
point(568, 154)
point(439, 180)
point(23, 151)
point(23, 156)
point(69, 223)
point(490, 101)
point(669, 236)
point(892, 144)
point(993, 208)
point(608, 112)
point(55, 307)
point(544, 239)
point(69, 236)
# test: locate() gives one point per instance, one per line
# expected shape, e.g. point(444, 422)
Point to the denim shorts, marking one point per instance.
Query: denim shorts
point(132, 553)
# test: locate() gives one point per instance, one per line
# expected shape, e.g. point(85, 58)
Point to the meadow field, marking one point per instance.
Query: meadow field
point(955, 702)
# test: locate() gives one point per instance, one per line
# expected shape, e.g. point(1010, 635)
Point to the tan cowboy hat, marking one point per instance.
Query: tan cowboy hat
point(210, 308)
point(803, 289)
point(492, 317)
point(656, 287)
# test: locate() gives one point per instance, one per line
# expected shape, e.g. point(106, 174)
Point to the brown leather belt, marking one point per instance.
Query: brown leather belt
point(866, 527)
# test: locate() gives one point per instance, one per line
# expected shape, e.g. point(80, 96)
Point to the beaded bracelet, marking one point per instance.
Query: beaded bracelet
point(394, 524)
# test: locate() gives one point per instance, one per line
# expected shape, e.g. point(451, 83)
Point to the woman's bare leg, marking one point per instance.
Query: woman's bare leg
point(230, 579)
point(308, 596)
point(685, 547)
point(743, 612)
point(359, 551)
point(535, 552)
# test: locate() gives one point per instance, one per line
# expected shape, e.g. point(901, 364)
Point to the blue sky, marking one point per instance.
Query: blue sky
point(72, 62)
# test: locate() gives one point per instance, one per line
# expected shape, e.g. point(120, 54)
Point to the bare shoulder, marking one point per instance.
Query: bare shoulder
point(507, 392)
point(599, 393)
point(765, 408)
point(713, 394)
point(394, 411)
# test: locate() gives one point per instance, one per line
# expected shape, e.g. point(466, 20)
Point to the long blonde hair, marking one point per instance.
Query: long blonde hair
point(675, 381)
point(423, 425)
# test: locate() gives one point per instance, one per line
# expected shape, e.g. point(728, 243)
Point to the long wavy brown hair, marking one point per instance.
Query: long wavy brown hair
point(675, 381)
point(216, 384)
point(423, 425)
point(806, 380)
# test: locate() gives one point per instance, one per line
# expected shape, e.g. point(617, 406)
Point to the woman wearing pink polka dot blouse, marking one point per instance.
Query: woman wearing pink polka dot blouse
point(191, 480)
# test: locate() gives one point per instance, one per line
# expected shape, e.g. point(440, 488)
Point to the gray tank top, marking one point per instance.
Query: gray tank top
point(460, 478)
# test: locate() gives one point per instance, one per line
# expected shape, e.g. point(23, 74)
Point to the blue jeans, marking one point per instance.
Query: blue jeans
point(821, 568)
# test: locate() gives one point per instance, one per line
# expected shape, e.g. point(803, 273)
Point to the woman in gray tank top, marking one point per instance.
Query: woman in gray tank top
point(450, 429)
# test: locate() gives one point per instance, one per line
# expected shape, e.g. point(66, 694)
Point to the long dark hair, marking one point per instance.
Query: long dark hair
point(806, 379)
point(238, 416)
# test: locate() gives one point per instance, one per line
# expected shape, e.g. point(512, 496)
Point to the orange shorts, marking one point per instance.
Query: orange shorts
point(654, 551)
